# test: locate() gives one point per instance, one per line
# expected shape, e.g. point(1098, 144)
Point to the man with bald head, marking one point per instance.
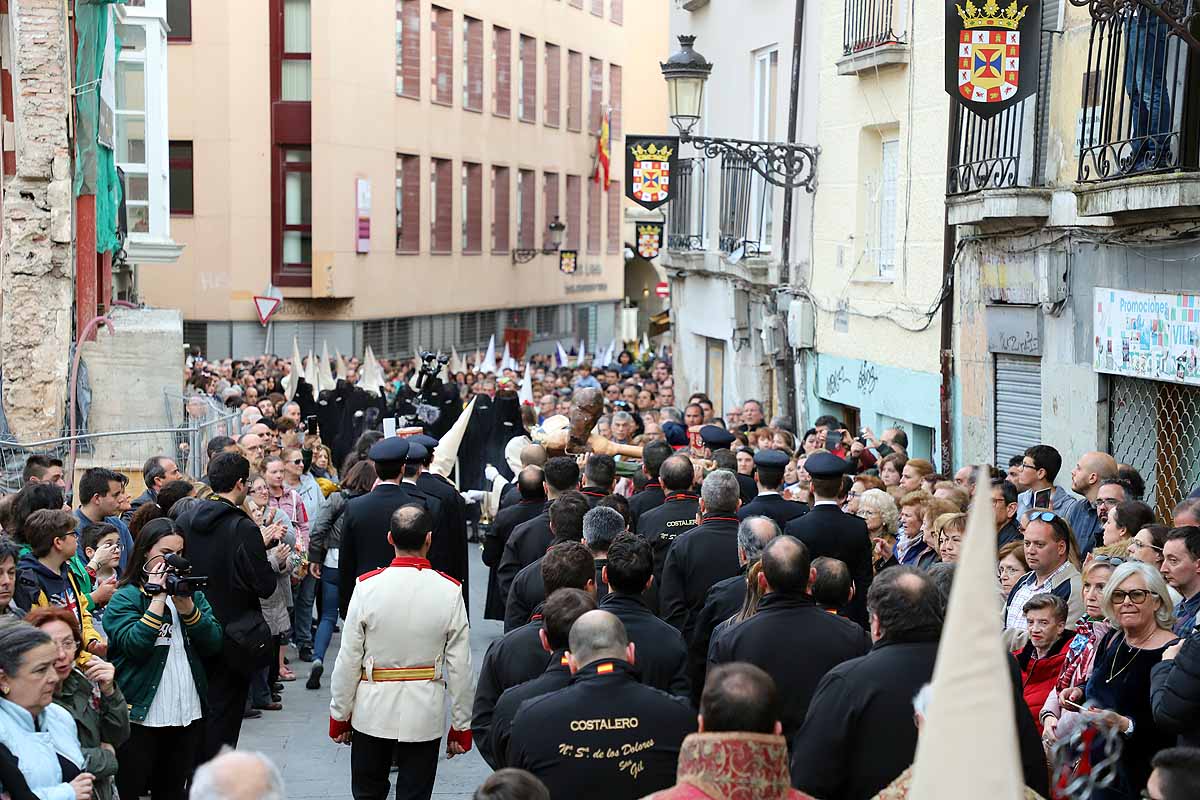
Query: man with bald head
point(790, 637)
point(531, 502)
point(1089, 473)
point(606, 734)
point(531, 455)
point(238, 775)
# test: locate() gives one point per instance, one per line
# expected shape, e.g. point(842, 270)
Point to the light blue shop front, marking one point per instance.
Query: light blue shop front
point(864, 394)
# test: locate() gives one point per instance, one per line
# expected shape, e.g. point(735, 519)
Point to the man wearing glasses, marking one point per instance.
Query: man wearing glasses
point(1039, 468)
point(1089, 473)
point(1047, 551)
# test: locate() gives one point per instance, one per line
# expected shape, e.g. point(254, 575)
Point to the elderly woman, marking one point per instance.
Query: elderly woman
point(860, 484)
point(280, 538)
point(949, 530)
point(39, 734)
point(1090, 629)
point(1011, 566)
point(158, 642)
point(90, 694)
point(911, 542)
point(1136, 601)
point(877, 508)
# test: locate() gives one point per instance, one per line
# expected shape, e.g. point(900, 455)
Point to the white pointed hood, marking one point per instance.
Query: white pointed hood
point(971, 707)
point(488, 366)
point(371, 375)
point(445, 455)
point(296, 370)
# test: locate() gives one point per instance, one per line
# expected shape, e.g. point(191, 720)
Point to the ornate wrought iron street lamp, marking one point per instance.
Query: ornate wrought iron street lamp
point(553, 243)
point(788, 166)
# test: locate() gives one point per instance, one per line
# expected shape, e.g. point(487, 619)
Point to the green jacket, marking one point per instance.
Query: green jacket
point(97, 719)
point(132, 632)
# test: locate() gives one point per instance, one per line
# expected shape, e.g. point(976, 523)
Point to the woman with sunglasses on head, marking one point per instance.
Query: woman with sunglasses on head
point(158, 636)
point(1090, 629)
point(1136, 601)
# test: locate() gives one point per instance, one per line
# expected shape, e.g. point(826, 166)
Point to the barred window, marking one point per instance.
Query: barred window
point(546, 320)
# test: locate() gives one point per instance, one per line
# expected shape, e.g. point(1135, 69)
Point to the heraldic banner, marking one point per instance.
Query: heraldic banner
point(649, 162)
point(993, 53)
point(649, 239)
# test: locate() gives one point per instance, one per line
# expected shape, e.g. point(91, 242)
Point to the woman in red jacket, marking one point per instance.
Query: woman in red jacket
point(1042, 658)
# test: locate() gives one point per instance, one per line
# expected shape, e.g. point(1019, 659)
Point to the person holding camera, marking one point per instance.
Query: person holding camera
point(160, 627)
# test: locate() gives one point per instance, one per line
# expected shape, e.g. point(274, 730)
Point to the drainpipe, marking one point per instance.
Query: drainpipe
point(788, 355)
point(949, 243)
point(83, 337)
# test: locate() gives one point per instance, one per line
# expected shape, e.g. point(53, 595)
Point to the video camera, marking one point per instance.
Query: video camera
point(432, 363)
point(178, 581)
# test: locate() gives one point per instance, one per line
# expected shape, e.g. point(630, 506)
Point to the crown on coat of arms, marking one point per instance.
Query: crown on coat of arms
point(991, 16)
point(651, 153)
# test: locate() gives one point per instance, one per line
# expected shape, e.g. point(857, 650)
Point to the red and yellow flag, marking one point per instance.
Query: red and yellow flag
point(603, 150)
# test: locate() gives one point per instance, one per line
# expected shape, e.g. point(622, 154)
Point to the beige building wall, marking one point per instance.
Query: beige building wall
point(220, 99)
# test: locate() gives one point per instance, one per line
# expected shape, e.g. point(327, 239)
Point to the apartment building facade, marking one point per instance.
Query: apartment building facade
point(392, 173)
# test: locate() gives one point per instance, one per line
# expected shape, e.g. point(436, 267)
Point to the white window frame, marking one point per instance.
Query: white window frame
point(762, 220)
point(886, 208)
point(155, 245)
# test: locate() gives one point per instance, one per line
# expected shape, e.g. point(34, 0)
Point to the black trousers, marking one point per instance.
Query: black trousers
point(227, 691)
point(158, 761)
point(371, 758)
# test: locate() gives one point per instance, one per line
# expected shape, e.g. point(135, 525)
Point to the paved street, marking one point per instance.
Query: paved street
point(297, 738)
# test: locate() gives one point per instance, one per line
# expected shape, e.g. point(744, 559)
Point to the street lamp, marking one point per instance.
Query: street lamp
point(686, 73)
point(786, 165)
point(552, 243)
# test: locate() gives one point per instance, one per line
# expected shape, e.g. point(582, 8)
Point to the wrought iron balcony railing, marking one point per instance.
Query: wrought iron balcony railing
point(872, 23)
point(1140, 90)
point(988, 152)
point(685, 213)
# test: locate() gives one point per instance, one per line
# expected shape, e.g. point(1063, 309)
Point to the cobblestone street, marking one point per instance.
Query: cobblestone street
point(313, 766)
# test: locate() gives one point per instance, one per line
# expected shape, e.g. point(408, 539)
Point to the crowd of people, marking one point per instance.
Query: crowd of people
point(702, 603)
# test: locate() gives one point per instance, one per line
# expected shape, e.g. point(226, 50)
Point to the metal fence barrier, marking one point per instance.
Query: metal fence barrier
point(1155, 428)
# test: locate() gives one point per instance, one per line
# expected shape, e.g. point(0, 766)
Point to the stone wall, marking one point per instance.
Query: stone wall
point(36, 268)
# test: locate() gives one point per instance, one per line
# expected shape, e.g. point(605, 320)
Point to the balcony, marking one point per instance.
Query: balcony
point(685, 213)
point(873, 36)
point(1139, 137)
point(993, 173)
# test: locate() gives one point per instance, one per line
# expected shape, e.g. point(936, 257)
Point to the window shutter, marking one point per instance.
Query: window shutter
point(442, 205)
point(550, 196)
point(408, 206)
point(502, 45)
point(528, 47)
point(598, 7)
point(596, 87)
point(577, 3)
point(574, 90)
point(443, 53)
point(594, 215)
point(527, 219)
point(553, 85)
point(473, 213)
point(473, 65)
point(614, 98)
point(616, 12)
point(614, 216)
point(500, 210)
point(574, 212)
point(408, 73)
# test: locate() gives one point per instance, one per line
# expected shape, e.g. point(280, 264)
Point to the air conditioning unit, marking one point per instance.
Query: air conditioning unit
point(802, 323)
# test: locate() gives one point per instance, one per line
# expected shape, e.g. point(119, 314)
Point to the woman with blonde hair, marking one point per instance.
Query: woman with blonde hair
point(877, 508)
point(949, 530)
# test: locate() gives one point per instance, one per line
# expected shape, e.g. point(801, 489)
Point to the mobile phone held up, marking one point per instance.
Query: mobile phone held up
point(1042, 498)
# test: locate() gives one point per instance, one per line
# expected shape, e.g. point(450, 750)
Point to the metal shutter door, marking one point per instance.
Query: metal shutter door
point(1018, 406)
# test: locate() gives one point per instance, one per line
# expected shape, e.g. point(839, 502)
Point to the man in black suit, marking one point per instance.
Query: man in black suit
point(532, 455)
point(365, 544)
point(532, 503)
point(726, 598)
point(675, 517)
point(652, 494)
point(528, 590)
point(599, 477)
point(702, 556)
point(529, 541)
point(660, 650)
point(769, 468)
point(790, 637)
point(828, 531)
point(448, 553)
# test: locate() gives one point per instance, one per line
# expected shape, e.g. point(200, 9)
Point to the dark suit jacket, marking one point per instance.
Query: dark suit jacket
point(660, 651)
point(827, 531)
point(723, 600)
point(448, 551)
point(697, 560)
point(651, 496)
point(493, 549)
point(365, 544)
point(747, 488)
point(527, 544)
point(773, 506)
